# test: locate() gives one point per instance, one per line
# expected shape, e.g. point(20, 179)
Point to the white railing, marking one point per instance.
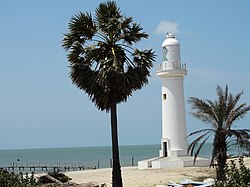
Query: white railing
point(171, 66)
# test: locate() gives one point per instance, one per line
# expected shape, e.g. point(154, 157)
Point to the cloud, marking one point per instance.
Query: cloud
point(167, 26)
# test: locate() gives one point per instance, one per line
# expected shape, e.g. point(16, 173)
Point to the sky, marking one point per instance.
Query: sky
point(39, 106)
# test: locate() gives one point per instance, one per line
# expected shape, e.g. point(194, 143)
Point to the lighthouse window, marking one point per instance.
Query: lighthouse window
point(164, 54)
point(164, 96)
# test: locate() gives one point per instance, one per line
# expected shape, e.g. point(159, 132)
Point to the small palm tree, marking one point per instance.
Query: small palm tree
point(105, 65)
point(220, 115)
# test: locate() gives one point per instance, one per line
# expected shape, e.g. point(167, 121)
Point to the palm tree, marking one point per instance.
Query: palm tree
point(220, 115)
point(104, 63)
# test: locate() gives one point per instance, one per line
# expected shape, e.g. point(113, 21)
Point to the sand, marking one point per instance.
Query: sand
point(132, 177)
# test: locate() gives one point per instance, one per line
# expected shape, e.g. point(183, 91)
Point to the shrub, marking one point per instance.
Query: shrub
point(235, 176)
point(16, 180)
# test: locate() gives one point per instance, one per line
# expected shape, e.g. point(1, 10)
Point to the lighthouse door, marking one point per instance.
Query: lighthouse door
point(165, 149)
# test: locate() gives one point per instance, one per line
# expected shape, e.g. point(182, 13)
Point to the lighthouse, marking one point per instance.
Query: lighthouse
point(172, 72)
point(173, 152)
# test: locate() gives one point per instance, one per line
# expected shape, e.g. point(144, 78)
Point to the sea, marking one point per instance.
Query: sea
point(90, 157)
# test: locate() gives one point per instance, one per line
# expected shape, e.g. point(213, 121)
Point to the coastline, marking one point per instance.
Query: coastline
point(145, 178)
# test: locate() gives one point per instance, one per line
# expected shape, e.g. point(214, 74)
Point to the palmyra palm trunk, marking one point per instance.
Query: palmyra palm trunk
point(117, 178)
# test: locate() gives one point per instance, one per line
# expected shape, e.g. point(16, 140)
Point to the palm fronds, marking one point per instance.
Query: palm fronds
point(97, 51)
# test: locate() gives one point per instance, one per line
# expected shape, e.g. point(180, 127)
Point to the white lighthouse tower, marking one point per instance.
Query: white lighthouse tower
point(173, 151)
point(171, 72)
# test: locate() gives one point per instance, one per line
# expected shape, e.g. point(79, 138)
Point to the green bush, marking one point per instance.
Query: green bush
point(16, 180)
point(235, 176)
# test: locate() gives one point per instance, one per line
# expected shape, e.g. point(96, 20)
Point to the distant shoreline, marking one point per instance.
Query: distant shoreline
point(97, 146)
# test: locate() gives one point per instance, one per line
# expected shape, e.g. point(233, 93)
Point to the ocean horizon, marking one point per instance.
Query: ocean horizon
point(90, 157)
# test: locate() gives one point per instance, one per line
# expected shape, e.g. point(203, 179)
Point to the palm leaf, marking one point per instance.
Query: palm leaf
point(192, 146)
point(242, 138)
point(200, 147)
point(203, 110)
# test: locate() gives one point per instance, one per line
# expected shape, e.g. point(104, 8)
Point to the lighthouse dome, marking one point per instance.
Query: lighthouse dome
point(170, 40)
point(171, 50)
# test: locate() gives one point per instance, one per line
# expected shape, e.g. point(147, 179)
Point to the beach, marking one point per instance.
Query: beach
point(132, 177)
